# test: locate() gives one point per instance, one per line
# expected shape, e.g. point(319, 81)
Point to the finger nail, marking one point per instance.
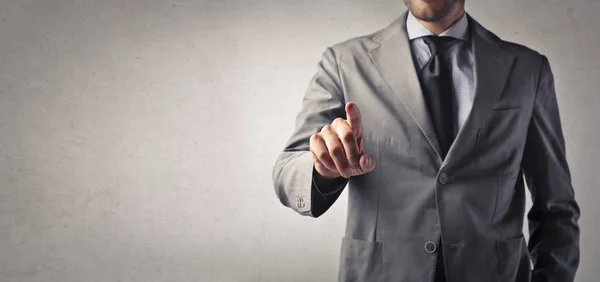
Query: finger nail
point(369, 162)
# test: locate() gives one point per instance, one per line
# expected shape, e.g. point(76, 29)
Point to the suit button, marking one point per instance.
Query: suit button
point(443, 178)
point(300, 202)
point(430, 247)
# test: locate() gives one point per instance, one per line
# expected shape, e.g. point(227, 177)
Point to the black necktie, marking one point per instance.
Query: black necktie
point(436, 83)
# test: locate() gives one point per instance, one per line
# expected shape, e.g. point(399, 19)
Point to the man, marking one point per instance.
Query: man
point(451, 118)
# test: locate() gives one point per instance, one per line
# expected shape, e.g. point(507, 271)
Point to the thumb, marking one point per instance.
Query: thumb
point(367, 163)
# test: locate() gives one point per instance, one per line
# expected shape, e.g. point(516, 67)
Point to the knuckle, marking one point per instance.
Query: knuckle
point(336, 150)
point(347, 136)
point(322, 155)
point(338, 120)
point(314, 138)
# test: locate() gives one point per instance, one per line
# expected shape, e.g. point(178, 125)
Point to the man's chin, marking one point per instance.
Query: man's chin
point(428, 16)
point(431, 2)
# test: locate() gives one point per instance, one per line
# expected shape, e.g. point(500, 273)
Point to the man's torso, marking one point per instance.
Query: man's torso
point(475, 197)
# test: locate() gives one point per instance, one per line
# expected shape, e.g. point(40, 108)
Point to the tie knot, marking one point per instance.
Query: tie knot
point(438, 44)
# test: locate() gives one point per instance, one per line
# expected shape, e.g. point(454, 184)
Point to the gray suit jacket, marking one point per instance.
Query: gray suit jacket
point(474, 199)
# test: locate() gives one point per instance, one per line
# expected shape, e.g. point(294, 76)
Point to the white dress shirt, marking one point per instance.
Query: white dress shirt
point(460, 57)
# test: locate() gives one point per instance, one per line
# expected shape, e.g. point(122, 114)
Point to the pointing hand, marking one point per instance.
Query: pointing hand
point(338, 149)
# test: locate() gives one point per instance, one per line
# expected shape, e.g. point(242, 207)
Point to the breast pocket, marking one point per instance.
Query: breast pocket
point(501, 139)
point(501, 120)
point(360, 260)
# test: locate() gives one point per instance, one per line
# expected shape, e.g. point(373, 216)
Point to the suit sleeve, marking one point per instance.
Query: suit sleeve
point(297, 184)
point(553, 218)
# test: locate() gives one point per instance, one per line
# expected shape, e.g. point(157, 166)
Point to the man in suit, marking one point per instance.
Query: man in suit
point(434, 125)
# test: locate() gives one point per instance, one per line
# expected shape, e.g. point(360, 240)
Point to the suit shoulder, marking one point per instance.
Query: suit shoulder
point(518, 50)
point(355, 46)
point(523, 53)
point(529, 63)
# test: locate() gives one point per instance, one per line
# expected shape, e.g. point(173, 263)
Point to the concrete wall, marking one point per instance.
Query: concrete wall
point(137, 137)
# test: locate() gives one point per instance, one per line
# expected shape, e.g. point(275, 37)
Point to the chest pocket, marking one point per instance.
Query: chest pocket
point(500, 125)
point(501, 139)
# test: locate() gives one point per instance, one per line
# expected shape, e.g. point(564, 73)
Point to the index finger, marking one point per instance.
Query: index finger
point(353, 118)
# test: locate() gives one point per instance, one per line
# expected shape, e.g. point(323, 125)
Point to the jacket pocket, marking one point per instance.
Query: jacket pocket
point(360, 261)
point(505, 108)
point(509, 254)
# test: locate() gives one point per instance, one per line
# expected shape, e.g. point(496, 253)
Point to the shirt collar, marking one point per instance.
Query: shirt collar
point(458, 30)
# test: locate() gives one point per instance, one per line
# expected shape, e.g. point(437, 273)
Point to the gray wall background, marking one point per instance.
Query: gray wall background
point(137, 138)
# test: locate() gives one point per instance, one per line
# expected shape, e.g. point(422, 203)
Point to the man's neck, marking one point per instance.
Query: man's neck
point(442, 25)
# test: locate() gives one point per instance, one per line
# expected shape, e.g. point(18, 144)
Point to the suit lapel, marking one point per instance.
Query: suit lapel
point(394, 61)
point(492, 67)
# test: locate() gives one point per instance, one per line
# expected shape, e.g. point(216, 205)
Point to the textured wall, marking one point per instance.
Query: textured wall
point(137, 138)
